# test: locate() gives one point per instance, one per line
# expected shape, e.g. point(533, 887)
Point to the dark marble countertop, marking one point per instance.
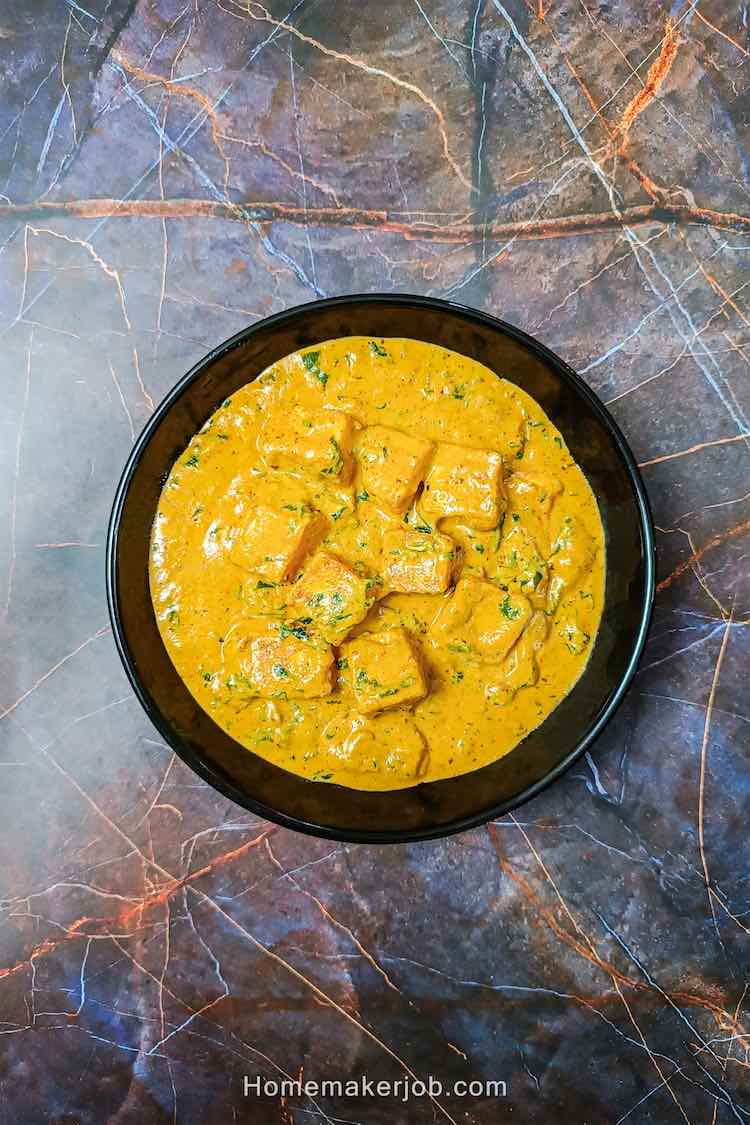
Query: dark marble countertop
point(172, 170)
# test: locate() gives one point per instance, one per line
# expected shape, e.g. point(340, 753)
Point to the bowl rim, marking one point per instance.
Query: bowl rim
point(464, 823)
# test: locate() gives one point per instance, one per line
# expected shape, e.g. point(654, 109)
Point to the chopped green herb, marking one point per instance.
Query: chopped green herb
point(407, 683)
point(558, 441)
point(337, 515)
point(363, 677)
point(363, 495)
point(193, 460)
point(342, 664)
point(457, 676)
point(337, 618)
point(296, 630)
point(459, 646)
point(321, 775)
point(337, 460)
point(575, 639)
point(261, 585)
point(280, 672)
point(311, 360)
point(508, 610)
point(376, 349)
point(479, 547)
point(197, 511)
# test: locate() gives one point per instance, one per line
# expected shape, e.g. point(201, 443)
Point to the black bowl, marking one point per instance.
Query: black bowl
point(435, 808)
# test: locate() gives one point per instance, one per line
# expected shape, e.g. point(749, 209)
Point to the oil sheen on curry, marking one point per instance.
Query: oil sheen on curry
point(378, 564)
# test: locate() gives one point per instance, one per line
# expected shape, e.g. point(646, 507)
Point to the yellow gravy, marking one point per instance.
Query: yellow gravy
point(378, 564)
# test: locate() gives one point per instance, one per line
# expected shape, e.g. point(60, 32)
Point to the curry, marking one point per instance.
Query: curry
point(378, 564)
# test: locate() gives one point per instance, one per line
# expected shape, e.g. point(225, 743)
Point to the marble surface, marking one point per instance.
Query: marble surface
point(172, 170)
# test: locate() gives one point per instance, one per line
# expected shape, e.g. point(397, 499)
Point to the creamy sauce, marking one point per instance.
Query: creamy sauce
point(378, 564)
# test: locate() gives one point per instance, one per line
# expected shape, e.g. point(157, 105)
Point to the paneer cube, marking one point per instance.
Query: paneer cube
point(288, 666)
point(519, 563)
point(333, 595)
point(498, 621)
point(465, 483)
point(535, 490)
point(480, 618)
point(531, 496)
point(384, 671)
point(392, 464)
point(573, 554)
point(274, 542)
point(390, 744)
point(415, 563)
point(451, 625)
point(316, 442)
point(520, 669)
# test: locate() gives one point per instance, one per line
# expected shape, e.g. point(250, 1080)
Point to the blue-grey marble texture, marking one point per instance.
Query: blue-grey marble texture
point(172, 170)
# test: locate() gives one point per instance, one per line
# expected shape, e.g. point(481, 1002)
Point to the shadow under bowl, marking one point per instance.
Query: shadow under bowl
point(435, 808)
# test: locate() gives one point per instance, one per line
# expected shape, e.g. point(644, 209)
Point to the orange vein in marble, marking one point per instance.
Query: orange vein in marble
point(655, 79)
point(564, 226)
point(338, 925)
point(727, 297)
point(723, 34)
point(182, 90)
point(691, 999)
point(715, 541)
point(592, 947)
point(156, 898)
point(295, 173)
point(652, 189)
point(177, 884)
point(693, 449)
point(258, 12)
